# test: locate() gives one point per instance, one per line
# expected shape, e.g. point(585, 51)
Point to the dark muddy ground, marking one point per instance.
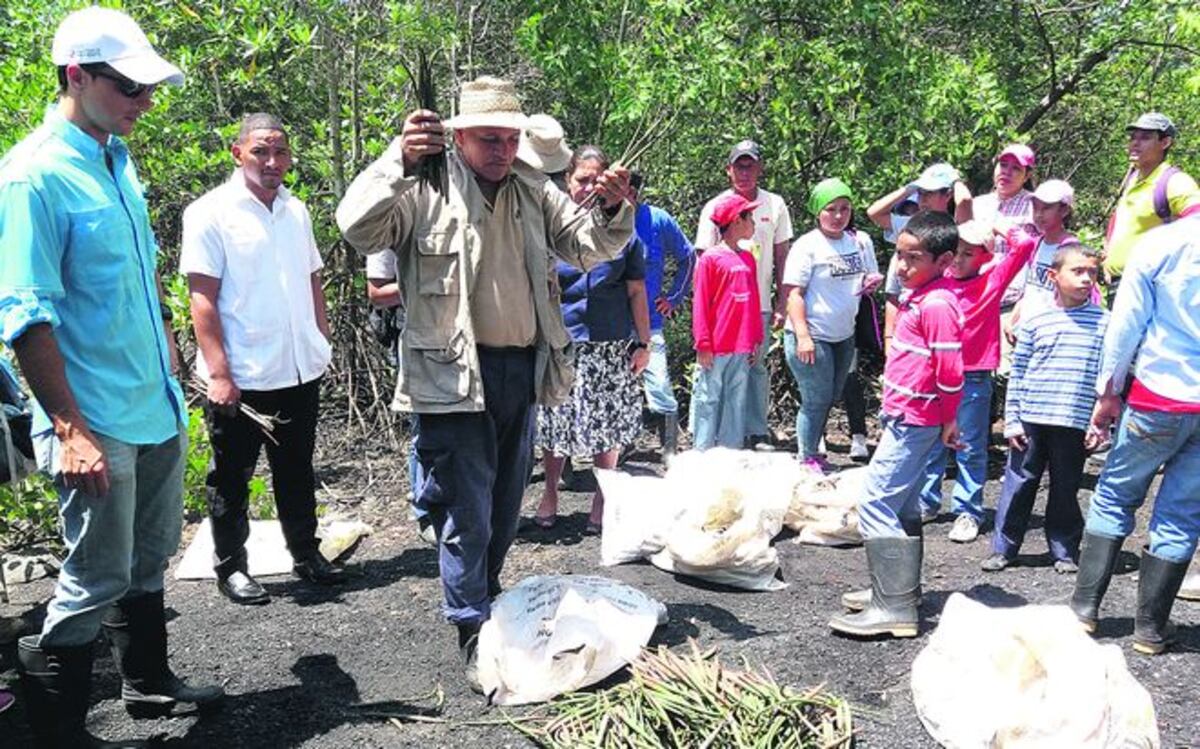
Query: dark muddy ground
point(297, 668)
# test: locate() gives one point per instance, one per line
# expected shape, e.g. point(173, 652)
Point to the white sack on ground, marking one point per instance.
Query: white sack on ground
point(1026, 678)
point(824, 509)
point(556, 633)
point(638, 511)
point(266, 551)
point(734, 504)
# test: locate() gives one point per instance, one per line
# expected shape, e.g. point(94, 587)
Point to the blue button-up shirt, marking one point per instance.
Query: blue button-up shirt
point(1156, 316)
point(77, 252)
point(595, 304)
point(661, 235)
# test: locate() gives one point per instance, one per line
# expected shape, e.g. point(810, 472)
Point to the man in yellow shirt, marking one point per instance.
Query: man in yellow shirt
point(1154, 192)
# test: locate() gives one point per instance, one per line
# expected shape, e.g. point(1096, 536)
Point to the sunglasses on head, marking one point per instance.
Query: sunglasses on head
point(126, 87)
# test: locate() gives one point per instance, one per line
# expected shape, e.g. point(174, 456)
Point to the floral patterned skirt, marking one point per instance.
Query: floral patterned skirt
point(605, 409)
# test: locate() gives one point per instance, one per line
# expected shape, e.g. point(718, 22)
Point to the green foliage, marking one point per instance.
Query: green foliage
point(195, 470)
point(28, 511)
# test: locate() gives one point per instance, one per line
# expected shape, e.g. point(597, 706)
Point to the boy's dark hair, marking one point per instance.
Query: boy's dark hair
point(1074, 248)
point(259, 121)
point(636, 180)
point(935, 231)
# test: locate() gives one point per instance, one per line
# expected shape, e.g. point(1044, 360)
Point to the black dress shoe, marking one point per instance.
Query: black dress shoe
point(317, 569)
point(243, 589)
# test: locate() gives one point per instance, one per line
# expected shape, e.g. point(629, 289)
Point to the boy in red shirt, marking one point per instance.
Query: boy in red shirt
point(979, 285)
point(922, 387)
point(726, 327)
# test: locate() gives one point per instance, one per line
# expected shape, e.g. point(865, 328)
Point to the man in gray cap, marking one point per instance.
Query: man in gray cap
point(484, 338)
point(80, 304)
point(772, 237)
point(1154, 192)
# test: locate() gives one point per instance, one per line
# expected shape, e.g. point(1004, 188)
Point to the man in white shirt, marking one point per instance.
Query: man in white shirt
point(255, 279)
point(772, 237)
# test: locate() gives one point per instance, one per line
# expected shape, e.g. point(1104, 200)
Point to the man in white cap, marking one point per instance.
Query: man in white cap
point(484, 338)
point(772, 237)
point(80, 304)
point(544, 147)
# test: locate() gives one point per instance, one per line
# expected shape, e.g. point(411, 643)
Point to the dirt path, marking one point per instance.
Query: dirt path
point(295, 668)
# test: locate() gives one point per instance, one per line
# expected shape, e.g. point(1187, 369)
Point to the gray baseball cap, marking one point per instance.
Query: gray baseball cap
point(745, 148)
point(1156, 121)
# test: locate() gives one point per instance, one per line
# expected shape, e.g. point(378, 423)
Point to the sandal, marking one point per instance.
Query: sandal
point(592, 529)
point(545, 522)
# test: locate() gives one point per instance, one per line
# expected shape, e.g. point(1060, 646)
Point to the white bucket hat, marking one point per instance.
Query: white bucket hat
point(488, 102)
point(543, 145)
point(105, 35)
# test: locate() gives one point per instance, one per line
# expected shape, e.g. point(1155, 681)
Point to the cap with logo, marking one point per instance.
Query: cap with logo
point(1155, 121)
point(745, 148)
point(729, 207)
point(95, 35)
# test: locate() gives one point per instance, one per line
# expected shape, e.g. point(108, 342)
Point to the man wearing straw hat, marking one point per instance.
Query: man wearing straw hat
point(484, 339)
point(258, 307)
point(80, 305)
point(544, 147)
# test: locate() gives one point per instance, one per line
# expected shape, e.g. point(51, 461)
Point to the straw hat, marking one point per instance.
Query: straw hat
point(488, 102)
point(543, 145)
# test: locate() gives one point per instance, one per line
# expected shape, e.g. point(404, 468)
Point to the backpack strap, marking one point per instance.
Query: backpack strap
point(1162, 203)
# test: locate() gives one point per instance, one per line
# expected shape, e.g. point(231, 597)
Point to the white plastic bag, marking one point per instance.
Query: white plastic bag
point(824, 509)
point(1026, 678)
point(735, 504)
point(638, 512)
point(552, 634)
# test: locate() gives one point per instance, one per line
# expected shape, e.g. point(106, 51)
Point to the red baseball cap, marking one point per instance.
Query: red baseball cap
point(730, 207)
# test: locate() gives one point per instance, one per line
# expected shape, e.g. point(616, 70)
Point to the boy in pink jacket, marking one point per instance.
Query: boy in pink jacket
point(922, 387)
point(726, 327)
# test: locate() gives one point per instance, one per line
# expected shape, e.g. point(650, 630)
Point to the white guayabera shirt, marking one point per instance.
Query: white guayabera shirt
point(264, 258)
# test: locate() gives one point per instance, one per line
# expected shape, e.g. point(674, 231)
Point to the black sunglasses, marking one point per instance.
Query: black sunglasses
point(127, 88)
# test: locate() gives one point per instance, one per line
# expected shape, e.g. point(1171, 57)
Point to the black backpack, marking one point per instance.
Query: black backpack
point(16, 444)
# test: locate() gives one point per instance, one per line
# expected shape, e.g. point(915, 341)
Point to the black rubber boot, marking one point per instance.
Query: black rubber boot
point(1097, 560)
point(56, 682)
point(895, 567)
point(670, 435)
point(137, 631)
point(468, 648)
point(1158, 582)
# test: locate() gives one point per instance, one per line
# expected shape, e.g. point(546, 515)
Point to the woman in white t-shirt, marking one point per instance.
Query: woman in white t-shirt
point(827, 271)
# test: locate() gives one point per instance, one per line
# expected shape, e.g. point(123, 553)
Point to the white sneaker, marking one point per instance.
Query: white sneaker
point(964, 530)
point(858, 447)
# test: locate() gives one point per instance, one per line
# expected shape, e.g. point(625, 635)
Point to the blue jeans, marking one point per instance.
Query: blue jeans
point(656, 377)
point(1146, 440)
point(759, 386)
point(820, 384)
point(118, 545)
point(974, 427)
point(719, 403)
point(1061, 450)
point(474, 469)
point(890, 505)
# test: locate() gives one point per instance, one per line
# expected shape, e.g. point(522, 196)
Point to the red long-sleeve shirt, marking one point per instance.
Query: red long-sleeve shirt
point(725, 302)
point(979, 300)
point(923, 375)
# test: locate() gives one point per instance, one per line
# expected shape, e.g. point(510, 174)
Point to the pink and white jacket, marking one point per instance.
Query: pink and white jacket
point(923, 375)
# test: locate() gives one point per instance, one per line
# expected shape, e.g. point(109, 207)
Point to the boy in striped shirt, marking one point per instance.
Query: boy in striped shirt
point(922, 387)
point(1046, 414)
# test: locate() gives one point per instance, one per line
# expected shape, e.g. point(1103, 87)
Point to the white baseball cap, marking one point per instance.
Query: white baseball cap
point(1055, 191)
point(105, 35)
